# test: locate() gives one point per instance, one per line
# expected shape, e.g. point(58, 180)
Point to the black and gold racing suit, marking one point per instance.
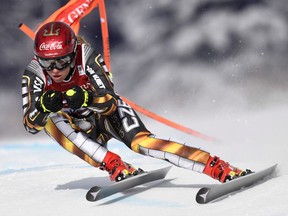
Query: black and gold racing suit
point(85, 132)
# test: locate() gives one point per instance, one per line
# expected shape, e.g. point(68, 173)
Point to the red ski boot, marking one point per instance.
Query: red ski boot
point(117, 169)
point(222, 171)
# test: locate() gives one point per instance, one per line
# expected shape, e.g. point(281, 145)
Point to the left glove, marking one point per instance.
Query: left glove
point(50, 101)
point(78, 97)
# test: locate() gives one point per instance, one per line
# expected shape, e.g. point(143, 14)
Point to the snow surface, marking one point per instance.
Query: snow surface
point(38, 177)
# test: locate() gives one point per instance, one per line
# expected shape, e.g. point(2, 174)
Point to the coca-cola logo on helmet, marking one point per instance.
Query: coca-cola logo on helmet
point(56, 45)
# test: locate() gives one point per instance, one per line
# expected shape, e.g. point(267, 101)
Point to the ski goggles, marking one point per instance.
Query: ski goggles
point(58, 63)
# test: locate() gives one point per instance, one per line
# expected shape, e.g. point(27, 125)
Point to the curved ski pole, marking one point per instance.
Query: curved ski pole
point(106, 52)
point(105, 34)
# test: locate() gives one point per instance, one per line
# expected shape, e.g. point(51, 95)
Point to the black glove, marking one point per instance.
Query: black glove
point(77, 97)
point(50, 101)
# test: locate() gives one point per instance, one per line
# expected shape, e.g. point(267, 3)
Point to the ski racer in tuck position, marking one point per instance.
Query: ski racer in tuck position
point(67, 91)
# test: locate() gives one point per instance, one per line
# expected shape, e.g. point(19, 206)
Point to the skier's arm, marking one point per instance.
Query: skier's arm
point(104, 98)
point(32, 89)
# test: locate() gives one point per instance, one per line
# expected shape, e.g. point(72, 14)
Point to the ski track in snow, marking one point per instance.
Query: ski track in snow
point(37, 187)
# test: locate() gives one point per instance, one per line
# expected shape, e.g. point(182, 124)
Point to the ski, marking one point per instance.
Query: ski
point(97, 193)
point(206, 195)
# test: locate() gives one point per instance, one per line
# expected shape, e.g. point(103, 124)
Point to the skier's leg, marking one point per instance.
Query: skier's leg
point(178, 154)
point(184, 156)
point(61, 128)
point(126, 126)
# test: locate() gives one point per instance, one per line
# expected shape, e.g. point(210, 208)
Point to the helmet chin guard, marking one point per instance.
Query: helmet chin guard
point(54, 40)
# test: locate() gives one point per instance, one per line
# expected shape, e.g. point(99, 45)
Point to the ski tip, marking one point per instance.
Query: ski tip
point(201, 195)
point(275, 166)
point(92, 194)
point(168, 168)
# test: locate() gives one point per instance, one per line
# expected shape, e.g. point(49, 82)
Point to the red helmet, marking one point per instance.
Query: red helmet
point(54, 40)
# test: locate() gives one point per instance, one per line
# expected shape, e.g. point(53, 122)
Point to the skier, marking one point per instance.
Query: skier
point(67, 91)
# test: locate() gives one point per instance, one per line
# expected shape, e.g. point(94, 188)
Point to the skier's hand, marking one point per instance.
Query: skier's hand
point(78, 97)
point(50, 101)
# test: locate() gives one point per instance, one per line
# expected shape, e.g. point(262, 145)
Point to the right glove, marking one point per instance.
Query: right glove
point(50, 101)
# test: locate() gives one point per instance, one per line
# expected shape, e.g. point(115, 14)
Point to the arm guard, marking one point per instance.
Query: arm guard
point(32, 88)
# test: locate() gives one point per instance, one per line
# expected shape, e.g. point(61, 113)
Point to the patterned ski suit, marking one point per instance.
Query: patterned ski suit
point(84, 132)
